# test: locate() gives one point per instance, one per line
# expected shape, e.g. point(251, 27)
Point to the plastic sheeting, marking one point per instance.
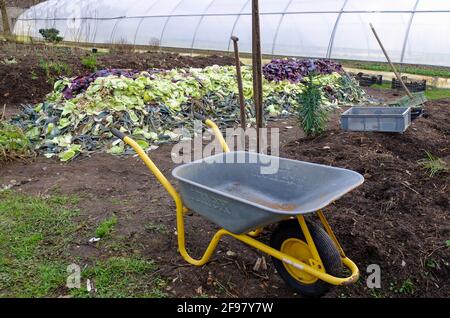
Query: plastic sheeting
point(413, 31)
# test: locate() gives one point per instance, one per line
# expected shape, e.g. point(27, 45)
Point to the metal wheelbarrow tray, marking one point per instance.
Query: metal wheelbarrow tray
point(234, 191)
point(229, 189)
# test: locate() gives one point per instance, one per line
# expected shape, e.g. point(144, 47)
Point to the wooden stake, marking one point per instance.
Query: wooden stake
point(3, 113)
point(257, 70)
point(5, 18)
point(239, 80)
point(397, 74)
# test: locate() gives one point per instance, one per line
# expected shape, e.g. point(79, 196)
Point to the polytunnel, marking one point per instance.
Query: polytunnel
point(413, 31)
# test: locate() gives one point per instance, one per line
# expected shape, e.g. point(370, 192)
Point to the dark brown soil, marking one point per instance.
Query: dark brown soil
point(27, 82)
point(399, 219)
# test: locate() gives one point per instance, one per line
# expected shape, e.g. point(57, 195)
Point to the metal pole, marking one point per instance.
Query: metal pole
point(257, 71)
point(235, 40)
point(397, 74)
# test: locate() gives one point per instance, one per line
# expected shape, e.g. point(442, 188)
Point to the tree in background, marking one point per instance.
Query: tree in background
point(5, 18)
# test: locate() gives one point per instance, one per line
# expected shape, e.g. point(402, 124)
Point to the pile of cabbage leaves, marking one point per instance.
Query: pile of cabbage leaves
point(151, 105)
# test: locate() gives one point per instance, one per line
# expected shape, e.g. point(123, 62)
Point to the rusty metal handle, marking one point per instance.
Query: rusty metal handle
point(235, 40)
point(397, 74)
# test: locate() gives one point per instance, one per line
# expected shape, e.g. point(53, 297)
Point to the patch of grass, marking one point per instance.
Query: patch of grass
point(61, 199)
point(14, 144)
point(437, 93)
point(433, 165)
point(120, 277)
point(55, 70)
point(410, 69)
point(447, 243)
point(159, 228)
point(431, 93)
point(106, 227)
point(34, 233)
point(90, 62)
point(384, 85)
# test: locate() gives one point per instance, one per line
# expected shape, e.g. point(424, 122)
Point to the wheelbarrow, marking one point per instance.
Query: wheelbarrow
point(230, 190)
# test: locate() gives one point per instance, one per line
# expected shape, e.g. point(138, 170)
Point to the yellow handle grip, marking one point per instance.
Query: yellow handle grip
point(218, 135)
point(154, 169)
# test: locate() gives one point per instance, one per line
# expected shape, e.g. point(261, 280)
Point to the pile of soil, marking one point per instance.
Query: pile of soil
point(399, 218)
point(26, 81)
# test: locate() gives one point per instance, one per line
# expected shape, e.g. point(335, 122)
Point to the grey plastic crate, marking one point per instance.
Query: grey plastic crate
point(383, 119)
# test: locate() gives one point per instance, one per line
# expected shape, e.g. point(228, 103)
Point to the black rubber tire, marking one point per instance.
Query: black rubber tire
point(328, 253)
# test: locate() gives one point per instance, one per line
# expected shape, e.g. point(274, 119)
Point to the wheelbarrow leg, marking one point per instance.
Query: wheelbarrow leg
point(182, 240)
point(330, 232)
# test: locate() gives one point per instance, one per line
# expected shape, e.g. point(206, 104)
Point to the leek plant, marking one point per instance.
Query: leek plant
point(312, 115)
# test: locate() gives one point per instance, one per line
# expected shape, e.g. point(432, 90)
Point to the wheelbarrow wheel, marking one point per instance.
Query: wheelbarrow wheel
point(288, 238)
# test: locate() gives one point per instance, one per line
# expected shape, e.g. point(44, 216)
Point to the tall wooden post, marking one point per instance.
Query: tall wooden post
point(257, 70)
point(235, 40)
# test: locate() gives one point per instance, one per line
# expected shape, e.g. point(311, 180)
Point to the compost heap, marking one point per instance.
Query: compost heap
point(150, 105)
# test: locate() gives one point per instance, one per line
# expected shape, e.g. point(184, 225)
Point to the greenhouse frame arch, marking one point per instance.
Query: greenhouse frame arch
point(414, 31)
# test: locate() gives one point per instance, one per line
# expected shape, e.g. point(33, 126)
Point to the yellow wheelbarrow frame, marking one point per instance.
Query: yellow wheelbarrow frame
point(315, 268)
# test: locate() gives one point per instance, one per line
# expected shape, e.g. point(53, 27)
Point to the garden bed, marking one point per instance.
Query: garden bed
point(398, 219)
point(399, 215)
point(26, 80)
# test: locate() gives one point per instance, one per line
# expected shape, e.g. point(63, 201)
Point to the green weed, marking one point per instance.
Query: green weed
point(106, 227)
point(90, 62)
point(14, 144)
point(55, 70)
point(407, 287)
point(433, 165)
